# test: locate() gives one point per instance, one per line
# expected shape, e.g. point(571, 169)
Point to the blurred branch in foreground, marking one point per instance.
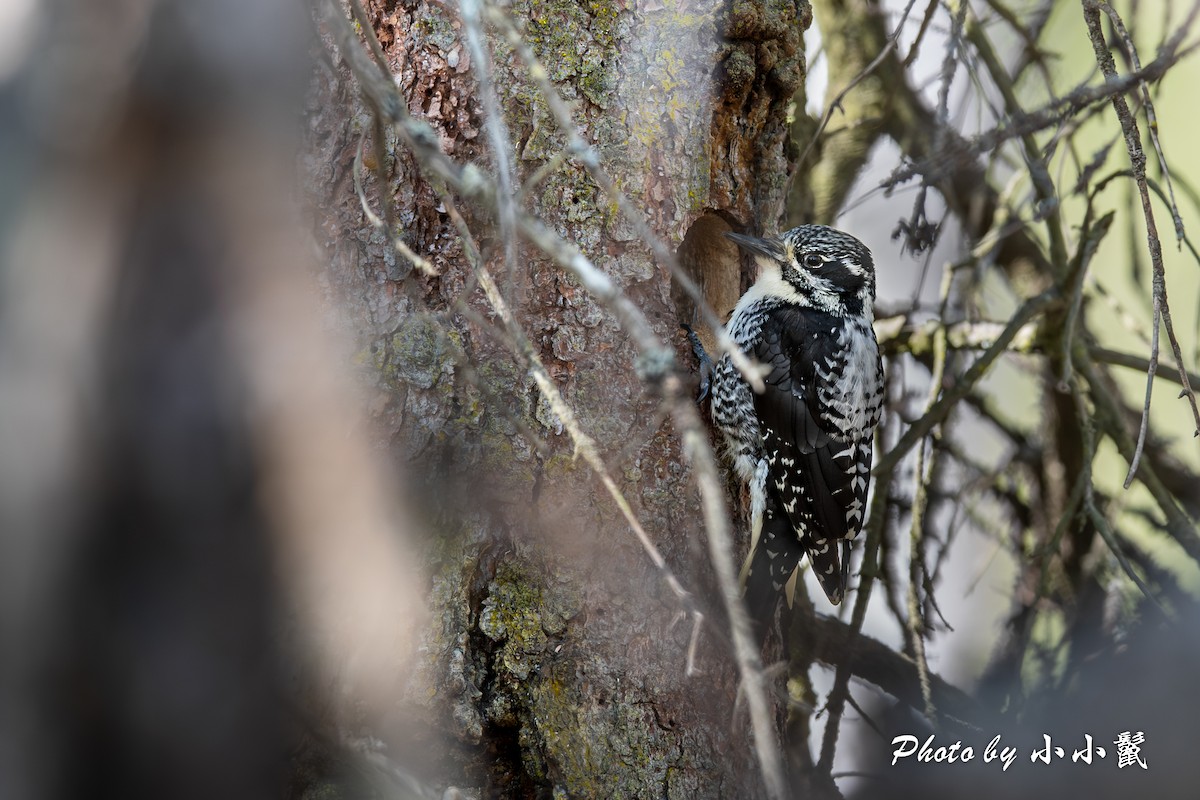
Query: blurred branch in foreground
point(196, 533)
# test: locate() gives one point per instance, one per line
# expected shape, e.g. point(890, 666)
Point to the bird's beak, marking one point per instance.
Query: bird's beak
point(771, 248)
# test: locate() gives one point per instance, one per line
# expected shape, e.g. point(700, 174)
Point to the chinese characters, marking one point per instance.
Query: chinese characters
point(1128, 751)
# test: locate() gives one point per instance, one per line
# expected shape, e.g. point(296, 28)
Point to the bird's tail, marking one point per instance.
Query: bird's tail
point(776, 555)
point(831, 571)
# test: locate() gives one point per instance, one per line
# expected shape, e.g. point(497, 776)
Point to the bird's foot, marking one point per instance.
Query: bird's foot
point(706, 362)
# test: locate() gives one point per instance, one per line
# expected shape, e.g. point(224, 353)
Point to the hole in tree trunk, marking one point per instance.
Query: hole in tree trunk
point(713, 262)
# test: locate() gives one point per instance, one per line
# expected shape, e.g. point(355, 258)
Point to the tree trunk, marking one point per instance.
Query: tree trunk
point(556, 661)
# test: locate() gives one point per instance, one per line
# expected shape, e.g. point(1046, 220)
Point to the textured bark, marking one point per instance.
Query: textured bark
point(556, 663)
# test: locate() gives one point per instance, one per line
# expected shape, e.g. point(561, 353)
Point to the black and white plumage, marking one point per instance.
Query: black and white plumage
point(803, 445)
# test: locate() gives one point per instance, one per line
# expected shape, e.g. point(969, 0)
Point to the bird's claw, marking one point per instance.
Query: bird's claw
point(706, 362)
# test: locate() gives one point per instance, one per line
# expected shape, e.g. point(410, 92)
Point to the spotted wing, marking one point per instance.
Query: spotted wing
point(818, 479)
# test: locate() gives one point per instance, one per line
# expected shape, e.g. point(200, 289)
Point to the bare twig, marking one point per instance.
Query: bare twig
point(926, 18)
point(916, 623)
point(938, 411)
point(1047, 116)
point(368, 30)
point(378, 224)
point(1148, 103)
point(585, 445)
point(1029, 33)
point(590, 159)
point(896, 335)
point(1089, 500)
point(1137, 157)
point(1035, 159)
point(838, 644)
point(1110, 419)
point(497, 130)
point(916, 560)
point(836, 102)
point(950, 62)
point(870, 570)
point(1092, 236)
point(1103, 355)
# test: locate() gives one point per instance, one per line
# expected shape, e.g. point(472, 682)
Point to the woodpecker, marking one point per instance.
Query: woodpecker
point(803, 444)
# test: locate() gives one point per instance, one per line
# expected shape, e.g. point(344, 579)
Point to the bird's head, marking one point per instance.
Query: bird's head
point(823, 267)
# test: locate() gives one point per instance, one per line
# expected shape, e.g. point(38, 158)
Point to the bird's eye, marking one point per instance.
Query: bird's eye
point(813, 261)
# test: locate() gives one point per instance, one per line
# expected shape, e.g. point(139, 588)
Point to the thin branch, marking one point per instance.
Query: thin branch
point(1035, 159)
point(1050, 547)
point(1031, 53)
point(896, 335)
point(1105, 356)
point(876, 521)
point(1093, 233)
point(837, 644)
point(378, 224)
point(938, 411)
point(1137, 158)
point(1148, 104)
point(921, 31)
point(1089, 499)
point(916, 624)
point(916, 561)
point(590, 159)
point(368, 30)
point(862, 712)
point(1110, 420)
point(836, 102)
point(584, 444)
point(1110, 539)
point(1049, 115)
point(497, 130)
point(950, 61)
